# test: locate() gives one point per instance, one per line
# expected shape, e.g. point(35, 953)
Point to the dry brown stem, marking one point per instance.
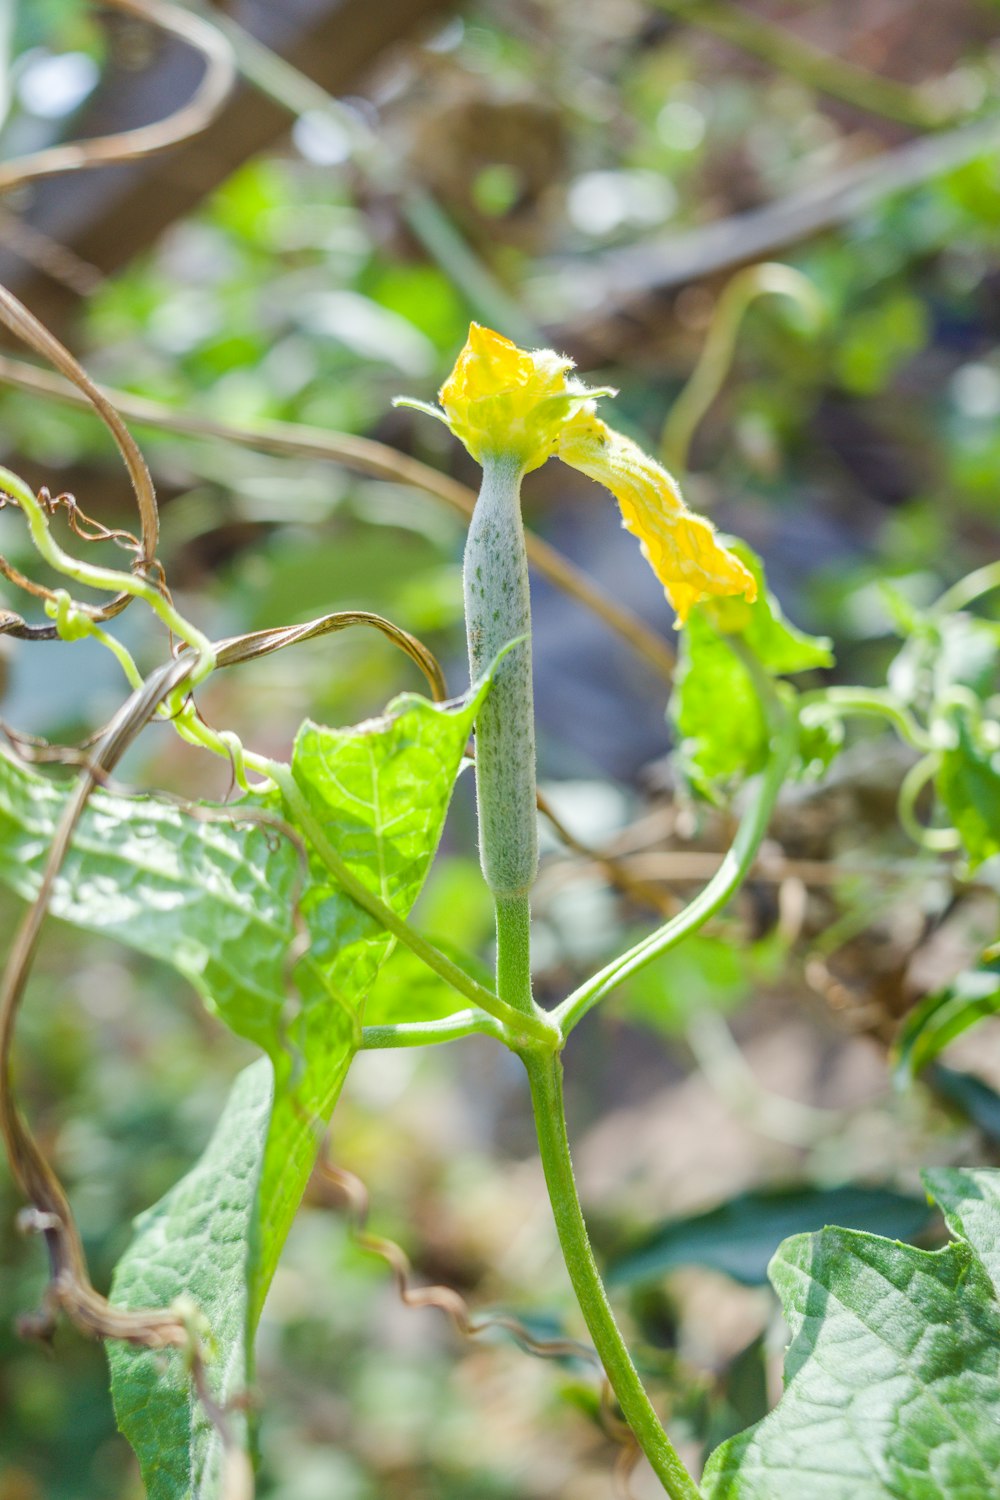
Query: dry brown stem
point(147, 140)
point(70, 1290)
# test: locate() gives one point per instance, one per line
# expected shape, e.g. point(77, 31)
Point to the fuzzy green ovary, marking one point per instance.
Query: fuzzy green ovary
point(498, 611)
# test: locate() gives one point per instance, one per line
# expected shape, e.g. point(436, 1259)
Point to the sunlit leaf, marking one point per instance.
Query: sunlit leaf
point(956, 651)
point(722, 732)
point(969, 1198)
point(215, 894)
point(778, 645)
point(195, 1241)
point(892, 1378)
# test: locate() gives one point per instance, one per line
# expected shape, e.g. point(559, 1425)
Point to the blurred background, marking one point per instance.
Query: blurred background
point(586, 175)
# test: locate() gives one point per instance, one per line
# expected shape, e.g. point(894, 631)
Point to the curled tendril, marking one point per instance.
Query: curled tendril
point(447, 1300)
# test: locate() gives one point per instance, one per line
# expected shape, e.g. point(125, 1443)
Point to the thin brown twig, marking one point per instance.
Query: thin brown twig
point(257, 643)
point(129, 145)
point(616, 869)
point(40, 250)
point(15, 316)
point(83, 526)
point(663, 263)
point(70, 1290)
point(455, 1307)
point(444, 1298)
point(365, 456)
point(33, 749)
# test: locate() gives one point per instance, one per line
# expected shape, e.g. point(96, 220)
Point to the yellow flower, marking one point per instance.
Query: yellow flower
point(500, 399)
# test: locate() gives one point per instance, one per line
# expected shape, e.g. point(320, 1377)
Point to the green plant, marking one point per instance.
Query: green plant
point(281, 906)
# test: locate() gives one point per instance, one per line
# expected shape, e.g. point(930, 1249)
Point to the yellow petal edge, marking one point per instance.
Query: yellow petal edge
point(503, 399)
point(681, 547)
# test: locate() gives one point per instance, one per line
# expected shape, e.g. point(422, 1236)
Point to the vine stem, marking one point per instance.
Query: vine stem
point(724, 883)
point(453, 1028)
point(967, 589)
point(837, 702)
point(518, 1023)
point(716, 358)
point(513, 916)
point(545, 1077)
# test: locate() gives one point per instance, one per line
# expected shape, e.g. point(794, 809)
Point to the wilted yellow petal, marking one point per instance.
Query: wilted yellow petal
point(502, 399)
point(681, 547)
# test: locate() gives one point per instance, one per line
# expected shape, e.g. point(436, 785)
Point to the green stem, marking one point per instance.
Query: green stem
point(423, 1033)
point(839, 702)
point(110, 579)
point(940, 840)
point(514, 952)
point(726, 880)
point(497, 612)
point(521, 1025)
point(716, 358)
point(545, 1078)
point(968, 588)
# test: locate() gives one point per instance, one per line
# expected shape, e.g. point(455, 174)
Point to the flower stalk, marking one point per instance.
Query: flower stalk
point(545, 1077)
point(514, 409)
point(497, 612)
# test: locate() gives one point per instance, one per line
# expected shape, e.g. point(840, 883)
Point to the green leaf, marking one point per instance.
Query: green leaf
point(721, 729)
point(211, 895)
point(740, 1236)
point(194, 1241)
point(939, 1018)
point(973, 1098)
point(215, 894)
point(380, 792)
point(778, 645)
point(969, 1198)
point(892, 1378)
point(968, 784)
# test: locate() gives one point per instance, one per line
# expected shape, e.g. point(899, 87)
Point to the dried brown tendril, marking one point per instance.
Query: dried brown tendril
point(455, 1307)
